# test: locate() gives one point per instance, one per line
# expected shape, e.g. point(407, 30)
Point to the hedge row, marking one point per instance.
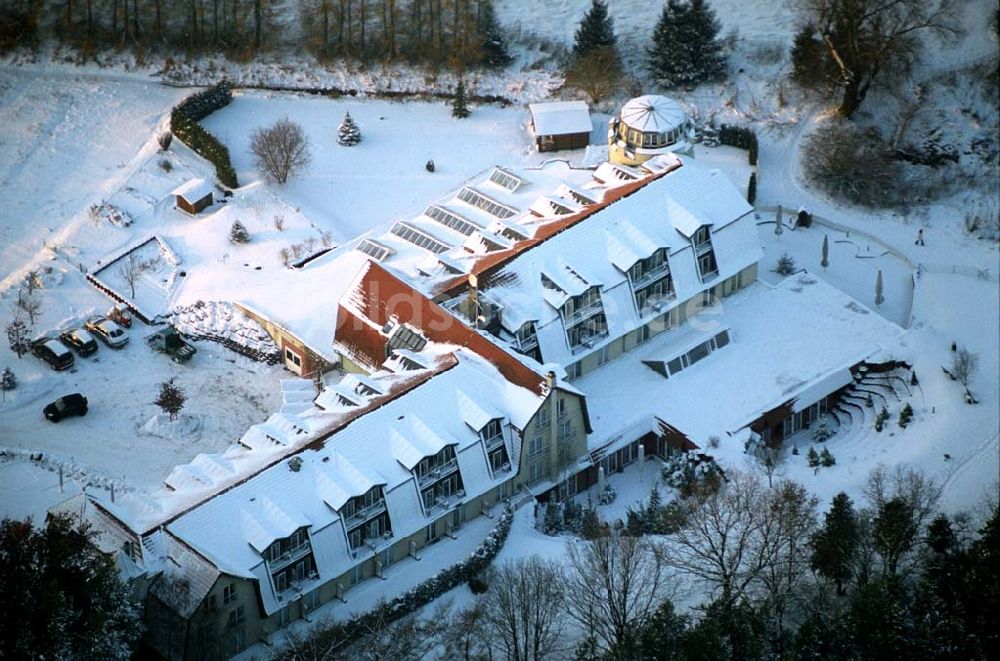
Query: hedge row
point(421, 595)
point(742, 137)
point(184, 124)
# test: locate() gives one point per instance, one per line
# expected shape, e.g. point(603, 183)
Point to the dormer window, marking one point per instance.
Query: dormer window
point(439, 480)
point(290, 561)
point(366, 518)
point(492, 433)
point(701, 237)
point(496, 450)
point(708, 268)
point(652, 282)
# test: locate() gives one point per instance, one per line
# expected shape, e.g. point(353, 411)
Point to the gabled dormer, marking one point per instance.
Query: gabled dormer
point(493, 438)
point(366, 519)
point(290, 560)
point(526, 340)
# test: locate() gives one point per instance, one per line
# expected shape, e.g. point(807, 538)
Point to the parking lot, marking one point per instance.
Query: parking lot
point(226, 393)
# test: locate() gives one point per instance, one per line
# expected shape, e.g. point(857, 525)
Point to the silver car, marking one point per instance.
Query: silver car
point(108, 331)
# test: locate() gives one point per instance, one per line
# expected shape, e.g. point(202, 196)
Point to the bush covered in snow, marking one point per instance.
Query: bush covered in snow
point(654, 517)
point(238, 233)
point(607, 495)
point(822, 432)
point(691, 473)
point(107, 212)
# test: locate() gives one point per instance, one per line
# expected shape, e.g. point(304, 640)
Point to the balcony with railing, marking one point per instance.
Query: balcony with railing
point(702, 247)
point(289, 556)
point(439, 472)
point(378, 543)
point(596, 306)
point(493, 442)
point(651, 276)
point(589, 340)
point(366, 513)
point(526, 343)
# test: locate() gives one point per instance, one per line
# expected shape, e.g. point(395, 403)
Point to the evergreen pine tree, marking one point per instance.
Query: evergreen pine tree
point(895, 532)
point(170, 399)
point(590, 526)
point(492, 42)
point(596, 30)
point(553, 518)
point(813, 458)
point(826, 251)
point(654, 512)
point(811, 65)
point(459, 108)
point(660, 635)
point(686, 49)
point(348, 134)
point(7, 380)
point(834, 546)
point(238, 233)
point(879, 298)
point(826, 458)
point(941, 536)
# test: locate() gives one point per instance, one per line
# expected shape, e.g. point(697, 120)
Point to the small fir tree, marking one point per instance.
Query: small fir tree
point(590, 524)
point(238, 234)
point(19, 337)
point(810, 63)
point(826, 251)
point(7, 380)
point(459, 108)
point(686, 49)
point(552, 523)
point(596, 30)
point(813, 458)
point(170, 399)
point(164, 140)
point(905, 415)
point(752, 188)
point(826, 458)
point(786, 265)
point(348, 134)
point(879, 298)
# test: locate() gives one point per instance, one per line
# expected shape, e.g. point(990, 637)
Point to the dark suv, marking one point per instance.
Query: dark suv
point(53, 352)
point(80, 340)
point(65, 406)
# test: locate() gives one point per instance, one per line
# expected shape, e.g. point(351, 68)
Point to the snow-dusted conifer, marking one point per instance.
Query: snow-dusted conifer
point(348, 134)
point(459, 108)
point(826, 251)
point(238, 233)
point(879, 298)
point(7, 380)
point(596, 30)
point(170, 399)
point(493, 44)
point(686, 49)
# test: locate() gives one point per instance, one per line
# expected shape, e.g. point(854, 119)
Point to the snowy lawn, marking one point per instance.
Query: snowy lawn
point(350, 190)
point(29, 489)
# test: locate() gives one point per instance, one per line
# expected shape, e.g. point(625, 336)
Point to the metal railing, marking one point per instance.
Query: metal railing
point(438, 472)
point(365, 513)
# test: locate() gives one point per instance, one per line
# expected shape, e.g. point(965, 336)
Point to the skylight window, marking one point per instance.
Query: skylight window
point(490, 206)
point(418, 237)
point(505, 179)
point(450, 219)
point(374, 249)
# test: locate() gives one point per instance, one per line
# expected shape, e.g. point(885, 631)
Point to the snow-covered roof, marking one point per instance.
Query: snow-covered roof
point(560, 117)
point(601, 249)
point(769, 361)
point(378, 448)
point(193, 190)
point(652, 113)
point(301, 301)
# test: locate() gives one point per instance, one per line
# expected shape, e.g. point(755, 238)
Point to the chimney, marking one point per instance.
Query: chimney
point(550, 379)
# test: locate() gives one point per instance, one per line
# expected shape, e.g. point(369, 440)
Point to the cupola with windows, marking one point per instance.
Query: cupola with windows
point(648, 126)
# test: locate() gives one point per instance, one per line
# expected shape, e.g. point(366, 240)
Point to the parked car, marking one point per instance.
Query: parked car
point(110, 333)
point(120, 316)
point(65, 406)
point(53, 352)
point(79, 340)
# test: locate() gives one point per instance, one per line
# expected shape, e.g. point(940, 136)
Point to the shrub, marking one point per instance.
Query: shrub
point(280, 150)
point(822, 432)
point(166, 165)
point(905, 415)
point(164, 140)
point(785, 265)
point(741, 137)
point(854, 166)
point(880, 419)
point(826, 458)
point(607, 495)
point(752, 188)
point(813, 458)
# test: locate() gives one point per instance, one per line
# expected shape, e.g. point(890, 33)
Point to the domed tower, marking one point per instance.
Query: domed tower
point(647, 126)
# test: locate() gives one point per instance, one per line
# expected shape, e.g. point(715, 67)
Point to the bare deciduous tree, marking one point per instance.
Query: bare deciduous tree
point(964, 365)
point(729, 539)
point(614, 585)
point(132, 268)
point(467, 636)
point(524, 608)
point(280, 150)
point(870, 40)
point(782, 579)
point(29, 301)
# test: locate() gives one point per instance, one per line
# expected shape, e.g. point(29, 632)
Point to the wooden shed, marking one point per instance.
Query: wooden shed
point(193, 196)
point(561, 125)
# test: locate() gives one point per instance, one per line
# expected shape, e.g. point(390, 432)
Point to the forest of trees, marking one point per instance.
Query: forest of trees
point(451, 32)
